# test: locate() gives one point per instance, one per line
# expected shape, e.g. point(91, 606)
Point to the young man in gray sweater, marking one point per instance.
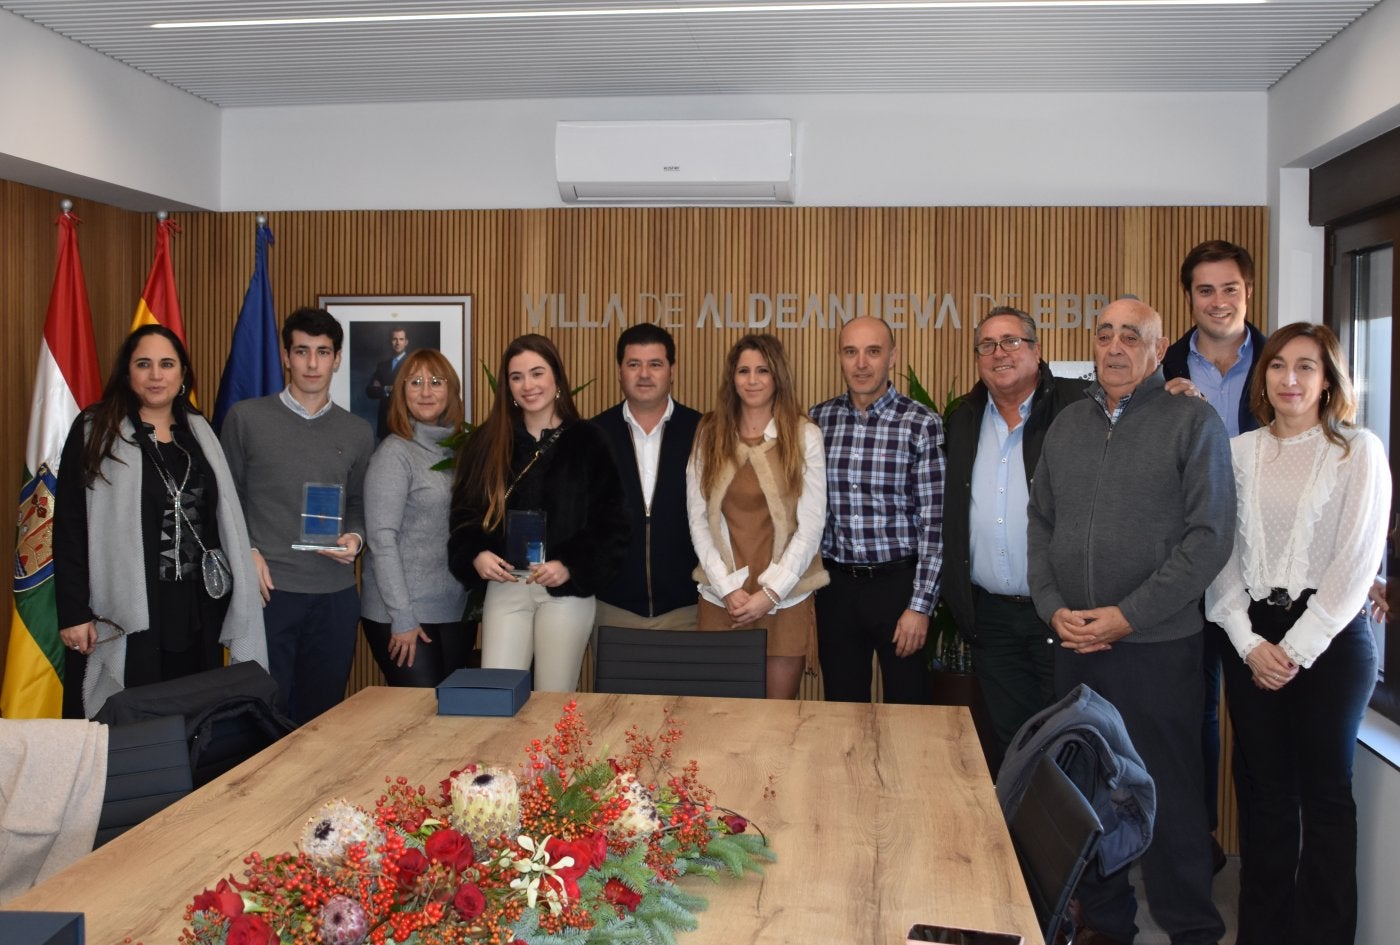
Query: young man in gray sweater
point(276, 445)
point(1132, 515)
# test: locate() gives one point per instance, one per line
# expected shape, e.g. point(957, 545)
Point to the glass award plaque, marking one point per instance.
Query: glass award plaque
point(322, 511)
point(525, 540)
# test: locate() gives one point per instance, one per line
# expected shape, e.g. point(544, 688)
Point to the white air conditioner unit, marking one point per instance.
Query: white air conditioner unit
point(674, 161)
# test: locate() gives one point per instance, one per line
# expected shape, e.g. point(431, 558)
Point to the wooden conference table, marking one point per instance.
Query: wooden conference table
point(881, 815)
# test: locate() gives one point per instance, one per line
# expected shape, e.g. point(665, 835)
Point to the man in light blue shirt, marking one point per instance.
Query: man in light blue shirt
point(993, 443)
point(1215, 360)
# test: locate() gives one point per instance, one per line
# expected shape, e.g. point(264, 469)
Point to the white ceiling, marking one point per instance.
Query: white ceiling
point(1030, 47)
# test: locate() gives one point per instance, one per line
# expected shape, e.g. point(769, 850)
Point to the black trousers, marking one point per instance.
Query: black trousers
point(856, 617)
point(432, 662)
point(1157, 689)
point(1297, 814)
point(310, 648)
point(1014, 658)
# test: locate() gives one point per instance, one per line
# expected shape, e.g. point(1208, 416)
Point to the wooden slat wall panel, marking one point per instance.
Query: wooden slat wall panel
point(502, 256)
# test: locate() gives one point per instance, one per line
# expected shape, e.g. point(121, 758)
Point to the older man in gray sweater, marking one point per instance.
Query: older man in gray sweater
point(1132, 515)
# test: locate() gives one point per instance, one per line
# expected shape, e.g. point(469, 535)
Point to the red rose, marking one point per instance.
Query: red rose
point(469, 901)
point(581, 852)
point(412, 865)
point(450, 848)
point(735, 823)
point(223, 900)
point(250, 930)
point(599, 840)
point(621, 895)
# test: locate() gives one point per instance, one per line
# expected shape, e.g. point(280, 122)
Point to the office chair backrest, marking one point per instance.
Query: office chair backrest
point(682, 662)
point(1055, 832)
point(148, 769)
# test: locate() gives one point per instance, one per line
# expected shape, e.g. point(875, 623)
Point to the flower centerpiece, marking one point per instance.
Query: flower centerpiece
point(568, 849)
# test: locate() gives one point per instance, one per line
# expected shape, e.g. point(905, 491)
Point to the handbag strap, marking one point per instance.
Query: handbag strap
point(543, 448)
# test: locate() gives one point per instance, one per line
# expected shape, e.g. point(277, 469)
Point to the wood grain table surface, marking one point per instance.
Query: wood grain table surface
point(881, 815)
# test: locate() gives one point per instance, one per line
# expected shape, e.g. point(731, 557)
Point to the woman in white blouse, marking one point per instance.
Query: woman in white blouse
point(756, 498)
point(1314, 495)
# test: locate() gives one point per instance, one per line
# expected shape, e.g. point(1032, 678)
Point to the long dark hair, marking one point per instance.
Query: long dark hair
point(483, 468)
point(120, 402)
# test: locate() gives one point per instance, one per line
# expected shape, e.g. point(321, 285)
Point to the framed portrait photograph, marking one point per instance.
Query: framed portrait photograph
point(379, 331)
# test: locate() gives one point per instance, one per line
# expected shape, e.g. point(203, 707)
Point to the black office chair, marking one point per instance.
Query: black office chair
point(231, 713)
point(1055, 831)
point(682, 662)
point(148, 769)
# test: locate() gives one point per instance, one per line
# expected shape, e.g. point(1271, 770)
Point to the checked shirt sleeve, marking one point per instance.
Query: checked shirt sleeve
point(926, 473)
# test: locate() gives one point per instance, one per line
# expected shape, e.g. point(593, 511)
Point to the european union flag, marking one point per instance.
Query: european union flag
point(254, 365)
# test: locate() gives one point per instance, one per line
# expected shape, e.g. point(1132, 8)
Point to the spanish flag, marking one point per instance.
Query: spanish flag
point(66, 381)
point(159, 304)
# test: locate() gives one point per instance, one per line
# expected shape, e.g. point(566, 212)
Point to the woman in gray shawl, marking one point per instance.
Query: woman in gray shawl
point(146, 492)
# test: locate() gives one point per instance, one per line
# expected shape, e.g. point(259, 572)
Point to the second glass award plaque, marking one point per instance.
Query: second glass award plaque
point(525, 540)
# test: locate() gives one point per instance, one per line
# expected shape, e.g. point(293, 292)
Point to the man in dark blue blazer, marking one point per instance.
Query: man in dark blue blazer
point(381, 382)
point(650, 436)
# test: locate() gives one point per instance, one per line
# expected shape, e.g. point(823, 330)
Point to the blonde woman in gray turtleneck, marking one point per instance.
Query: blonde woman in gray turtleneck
point(412, 605)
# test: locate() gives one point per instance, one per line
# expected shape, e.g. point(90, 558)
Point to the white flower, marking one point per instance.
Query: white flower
point(534, 870)
point(485, 805)
point(640, 819)
point(329, 834)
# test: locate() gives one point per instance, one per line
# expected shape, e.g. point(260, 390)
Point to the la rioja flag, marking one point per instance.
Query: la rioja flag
point(66, 381)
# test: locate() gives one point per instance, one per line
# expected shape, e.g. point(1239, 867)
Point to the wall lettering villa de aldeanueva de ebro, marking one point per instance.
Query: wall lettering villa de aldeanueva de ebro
point(764, 311)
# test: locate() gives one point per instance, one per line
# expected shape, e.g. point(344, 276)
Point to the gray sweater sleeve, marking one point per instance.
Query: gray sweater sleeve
point(386, 490)
point(1040, 527)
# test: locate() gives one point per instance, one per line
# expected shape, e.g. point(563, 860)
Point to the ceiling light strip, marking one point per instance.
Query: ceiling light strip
point(718, 8)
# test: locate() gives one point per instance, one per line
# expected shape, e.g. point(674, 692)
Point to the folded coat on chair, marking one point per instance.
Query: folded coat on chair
point(52, 777)
point(1086, 736)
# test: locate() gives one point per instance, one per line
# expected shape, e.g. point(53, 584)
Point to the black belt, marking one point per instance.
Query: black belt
point(1009, 598)
point(872, 570)
point(1279, 597)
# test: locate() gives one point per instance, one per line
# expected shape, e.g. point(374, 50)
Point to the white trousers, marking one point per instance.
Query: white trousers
point(521, 623)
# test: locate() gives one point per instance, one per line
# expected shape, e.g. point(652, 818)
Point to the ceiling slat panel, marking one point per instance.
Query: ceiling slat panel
point(1182, 48)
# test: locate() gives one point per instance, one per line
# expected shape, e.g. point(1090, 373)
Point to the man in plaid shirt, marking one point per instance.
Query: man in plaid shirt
point(883, 542)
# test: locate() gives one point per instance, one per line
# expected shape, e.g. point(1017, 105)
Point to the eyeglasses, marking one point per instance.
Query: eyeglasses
point(435, 382)
point(987, 348)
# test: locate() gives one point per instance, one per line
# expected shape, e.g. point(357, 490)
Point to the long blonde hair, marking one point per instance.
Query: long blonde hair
point(717, 437)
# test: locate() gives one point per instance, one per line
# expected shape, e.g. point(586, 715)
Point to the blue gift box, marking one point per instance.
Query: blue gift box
point(483, 692)
point(41, 928)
